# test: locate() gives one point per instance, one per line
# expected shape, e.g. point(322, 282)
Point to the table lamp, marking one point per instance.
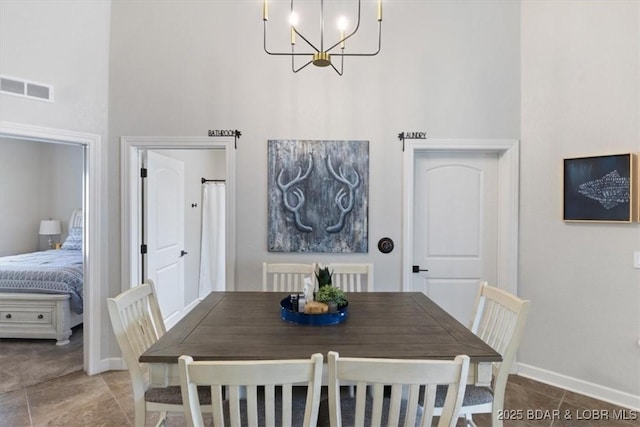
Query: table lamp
point(50, 227)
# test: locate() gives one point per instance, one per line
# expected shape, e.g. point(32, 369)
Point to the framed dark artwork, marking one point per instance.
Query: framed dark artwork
point(318, 196)
point(599, 188)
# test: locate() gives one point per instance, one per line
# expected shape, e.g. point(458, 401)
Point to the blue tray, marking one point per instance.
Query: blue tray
point(312, 319)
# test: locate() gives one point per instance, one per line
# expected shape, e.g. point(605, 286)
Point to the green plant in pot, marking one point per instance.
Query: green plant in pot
point(335, 298)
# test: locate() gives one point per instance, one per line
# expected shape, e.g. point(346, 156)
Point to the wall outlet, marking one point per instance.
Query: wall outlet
point(636, 259)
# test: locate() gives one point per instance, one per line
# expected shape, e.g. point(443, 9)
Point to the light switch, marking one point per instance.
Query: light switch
point(636, 259)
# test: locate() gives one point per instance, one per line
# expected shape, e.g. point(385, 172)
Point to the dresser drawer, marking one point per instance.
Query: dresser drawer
point(42, 315)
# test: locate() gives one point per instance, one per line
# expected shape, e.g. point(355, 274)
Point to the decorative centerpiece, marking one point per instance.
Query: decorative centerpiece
point(326, 306)
point(332, 296)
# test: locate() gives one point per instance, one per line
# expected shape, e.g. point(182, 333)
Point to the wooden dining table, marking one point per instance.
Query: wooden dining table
point(249, 326)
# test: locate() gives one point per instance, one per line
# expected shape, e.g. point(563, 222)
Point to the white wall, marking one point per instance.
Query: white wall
point(64, 165)
point(580, 97)
point(66, 44)
point(63, 43)
point(37, 181)
point(448, 68)
point(19, 216)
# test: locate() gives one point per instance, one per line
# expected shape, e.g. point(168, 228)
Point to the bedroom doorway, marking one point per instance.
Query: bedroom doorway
point(91, 205)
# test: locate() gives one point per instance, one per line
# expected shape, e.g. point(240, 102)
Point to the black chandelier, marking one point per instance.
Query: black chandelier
point(321, 55)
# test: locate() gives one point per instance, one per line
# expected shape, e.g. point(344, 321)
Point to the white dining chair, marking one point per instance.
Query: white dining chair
point(137, 323)
point(499, 320)
point(405, 377)
point(258, 392)
point(352, 277)
point(286, 277)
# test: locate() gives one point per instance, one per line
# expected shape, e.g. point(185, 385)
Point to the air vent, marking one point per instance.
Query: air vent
point(26, 88)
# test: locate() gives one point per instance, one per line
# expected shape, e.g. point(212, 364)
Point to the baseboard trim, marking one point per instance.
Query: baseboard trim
point(596, 391)
point(112, 364)
point(193, 305)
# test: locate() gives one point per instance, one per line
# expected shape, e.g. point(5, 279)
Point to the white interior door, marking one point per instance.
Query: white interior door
point(165, 233)
point(455, 227)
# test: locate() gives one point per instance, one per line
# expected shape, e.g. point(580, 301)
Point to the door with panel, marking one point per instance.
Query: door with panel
point(455, 227)
point(164, 226)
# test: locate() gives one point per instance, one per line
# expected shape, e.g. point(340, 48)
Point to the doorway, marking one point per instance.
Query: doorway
point(132, 220)
point(503, 237)
point(92, 203)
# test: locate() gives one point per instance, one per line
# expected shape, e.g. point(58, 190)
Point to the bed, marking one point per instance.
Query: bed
point(41, 293)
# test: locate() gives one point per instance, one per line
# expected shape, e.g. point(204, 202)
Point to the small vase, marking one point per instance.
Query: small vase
point(333, 306)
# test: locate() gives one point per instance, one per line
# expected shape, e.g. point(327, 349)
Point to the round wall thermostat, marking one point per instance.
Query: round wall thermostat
point(385, 245)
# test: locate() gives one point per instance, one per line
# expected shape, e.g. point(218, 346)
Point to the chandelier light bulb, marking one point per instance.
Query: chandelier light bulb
point(294, 19)
point(343, 23)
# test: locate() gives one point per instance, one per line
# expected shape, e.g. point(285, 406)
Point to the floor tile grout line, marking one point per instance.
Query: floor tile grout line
point(561, 400)
point(26, 398)
point(116, 399)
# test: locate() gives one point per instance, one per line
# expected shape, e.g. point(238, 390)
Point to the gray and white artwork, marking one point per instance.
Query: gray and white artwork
point(318, 196)
point(598, 188)
point(610, 190)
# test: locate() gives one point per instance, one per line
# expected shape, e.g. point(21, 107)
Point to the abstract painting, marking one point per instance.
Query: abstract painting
point(318, 196)
point(599, 188)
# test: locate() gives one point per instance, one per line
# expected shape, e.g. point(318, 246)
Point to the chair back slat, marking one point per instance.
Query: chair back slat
point(361, 393)
point(282, 277)
point(352, 277)
point(405, 377)
point(217, 398)
point(234, 406)
point(252, 376)
point(287, 399)
point(429, 404)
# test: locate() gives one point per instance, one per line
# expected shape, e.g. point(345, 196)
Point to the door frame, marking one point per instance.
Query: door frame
point(131, 219)
point(508, 151)
point(92, 211)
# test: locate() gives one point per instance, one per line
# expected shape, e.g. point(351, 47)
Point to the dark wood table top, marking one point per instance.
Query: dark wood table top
point(247, 325)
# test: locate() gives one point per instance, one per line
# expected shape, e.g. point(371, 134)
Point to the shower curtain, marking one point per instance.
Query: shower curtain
point(212, 250)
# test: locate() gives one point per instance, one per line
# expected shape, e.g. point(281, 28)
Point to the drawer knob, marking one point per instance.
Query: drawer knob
point(8, 316)
point(40, 316)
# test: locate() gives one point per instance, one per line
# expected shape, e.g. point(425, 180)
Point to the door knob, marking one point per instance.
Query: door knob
point(183, 253)
point(417, 269)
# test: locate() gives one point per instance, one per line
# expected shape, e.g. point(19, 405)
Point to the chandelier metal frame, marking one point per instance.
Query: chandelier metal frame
point(321, 56)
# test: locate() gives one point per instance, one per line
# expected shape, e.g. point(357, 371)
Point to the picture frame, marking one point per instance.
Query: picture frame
point(318, 196)
point(600, 189)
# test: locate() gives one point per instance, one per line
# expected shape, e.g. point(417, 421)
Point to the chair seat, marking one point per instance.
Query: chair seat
point(172, 396)
point(348, 408)
point(473, 395)
point(298, 405)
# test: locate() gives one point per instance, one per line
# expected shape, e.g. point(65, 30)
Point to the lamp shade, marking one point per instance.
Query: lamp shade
point(49, 227)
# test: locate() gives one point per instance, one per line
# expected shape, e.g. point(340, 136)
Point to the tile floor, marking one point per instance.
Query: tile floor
point(24, 363)
point(105, 400)
point(43, 385)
